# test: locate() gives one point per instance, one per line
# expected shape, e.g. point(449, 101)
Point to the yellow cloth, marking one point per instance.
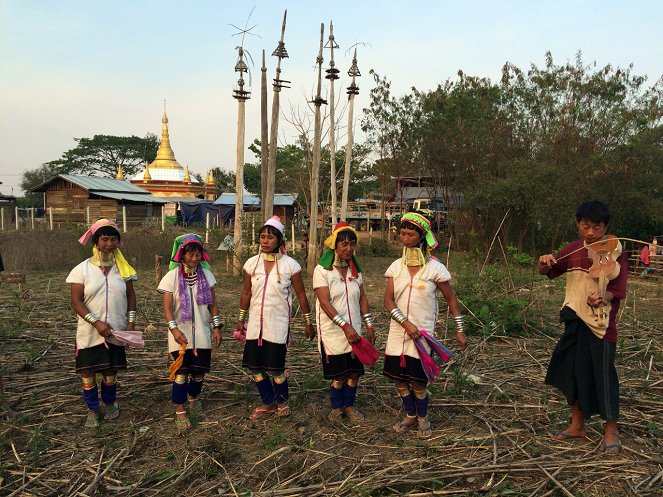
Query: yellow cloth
point(125, 269)
point(330, 242)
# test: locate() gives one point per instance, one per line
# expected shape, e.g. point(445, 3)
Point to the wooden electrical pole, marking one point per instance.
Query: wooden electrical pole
point(264, 138)
point(315, 169)
point(332, 75)
point(242, 96)
point(353, 90)
point(280, 53)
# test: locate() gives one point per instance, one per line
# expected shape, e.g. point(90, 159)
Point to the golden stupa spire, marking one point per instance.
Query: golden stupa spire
point(210, 178)
point(119, 175)
point(165, 156)
point(147, 176)
point(187, 178)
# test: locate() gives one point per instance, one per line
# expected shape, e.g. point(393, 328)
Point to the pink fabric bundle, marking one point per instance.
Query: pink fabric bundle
point(431, 368)
point(365, 352)
point(240, 336)
point(130, 337)
point(436, 347)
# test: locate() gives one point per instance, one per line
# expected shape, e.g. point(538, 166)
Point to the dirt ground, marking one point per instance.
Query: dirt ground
point(492, 415)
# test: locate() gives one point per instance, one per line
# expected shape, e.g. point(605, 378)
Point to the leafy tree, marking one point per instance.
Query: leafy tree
point(101, 154)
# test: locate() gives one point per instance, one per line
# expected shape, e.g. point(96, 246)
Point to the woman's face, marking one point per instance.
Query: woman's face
point(107, 244)
point(192, 258)
point(409, 238)
point(268, 242)
point(345, 248)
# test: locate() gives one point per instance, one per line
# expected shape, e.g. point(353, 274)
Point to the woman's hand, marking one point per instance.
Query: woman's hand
point(595, 300)
point(461, 339)
point(179, 337)
point(370, 335)
point(216, 337)
point(240, 326)
point(310, 332)
point(103, 328)
point(411, 330)
point(351, 334)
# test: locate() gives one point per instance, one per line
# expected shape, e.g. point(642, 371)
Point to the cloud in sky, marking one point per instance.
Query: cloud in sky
point(78, 68)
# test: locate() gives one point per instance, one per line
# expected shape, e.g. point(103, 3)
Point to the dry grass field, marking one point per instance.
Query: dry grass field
point(492, 415)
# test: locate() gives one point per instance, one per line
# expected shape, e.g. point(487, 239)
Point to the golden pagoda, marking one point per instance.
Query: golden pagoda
point(165, 177)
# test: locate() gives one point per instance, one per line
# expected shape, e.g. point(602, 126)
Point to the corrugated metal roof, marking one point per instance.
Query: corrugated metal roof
point(279, 199)
point(132, 197)
point(96, 184)
point(229, 199)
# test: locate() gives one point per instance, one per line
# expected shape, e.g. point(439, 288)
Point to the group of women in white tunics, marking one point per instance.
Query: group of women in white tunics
point(265, 312)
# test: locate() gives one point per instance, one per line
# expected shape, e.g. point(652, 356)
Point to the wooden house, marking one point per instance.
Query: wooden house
point(84, 199)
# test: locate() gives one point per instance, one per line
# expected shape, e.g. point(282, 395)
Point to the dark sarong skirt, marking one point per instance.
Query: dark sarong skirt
point(413, 370)
point(268, 357)
point(339, 366)
point(582, 367)
point(99, 358)
point(194, 364)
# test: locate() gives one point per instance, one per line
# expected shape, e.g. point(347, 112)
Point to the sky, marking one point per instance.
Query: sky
point(75, 68)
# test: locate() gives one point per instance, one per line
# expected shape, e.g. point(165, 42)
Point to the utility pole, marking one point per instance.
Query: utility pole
point(315, 169)
point(332, 75)
point(353, 90)
point(280, 53)
point(264, 138)
point(242, 96)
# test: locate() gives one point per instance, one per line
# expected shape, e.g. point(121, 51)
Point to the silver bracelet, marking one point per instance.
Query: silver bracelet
point(90, 318)
point(460, 324)
point(367, 318)
point(339, 321)
point(217, 321)
point(172, 325)
point(397, 315)
point(131, 316)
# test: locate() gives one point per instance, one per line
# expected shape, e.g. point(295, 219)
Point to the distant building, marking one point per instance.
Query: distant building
point(165, 177)
point(82, 199)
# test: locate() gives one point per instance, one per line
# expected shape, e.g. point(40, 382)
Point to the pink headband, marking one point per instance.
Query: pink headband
point(83, 240)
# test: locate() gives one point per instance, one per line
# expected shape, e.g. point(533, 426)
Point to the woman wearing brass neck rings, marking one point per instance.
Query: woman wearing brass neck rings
point(269, 279)
point(341, 306)
point(102, 294)
point(413, 283)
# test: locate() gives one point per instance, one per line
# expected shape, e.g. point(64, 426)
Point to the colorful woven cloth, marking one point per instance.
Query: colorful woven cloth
point(422, 223)
point(327, 259)
point(181, 241)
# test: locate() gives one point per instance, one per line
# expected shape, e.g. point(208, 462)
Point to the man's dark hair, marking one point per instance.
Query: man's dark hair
point(594, 211)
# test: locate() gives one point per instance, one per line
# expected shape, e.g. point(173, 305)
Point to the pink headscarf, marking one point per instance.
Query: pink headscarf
point(87, 236)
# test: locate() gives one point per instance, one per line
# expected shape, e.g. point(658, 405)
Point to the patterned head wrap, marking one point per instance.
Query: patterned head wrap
point(204, 293)
point(124, 268)
point(422, 223)
point(180, 242)
point(327, 259)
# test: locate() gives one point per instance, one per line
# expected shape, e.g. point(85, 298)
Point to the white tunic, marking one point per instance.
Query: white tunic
point(201, 314)
point(271, 301)
point(416, 297)
point(105, 297)
point(344, 296)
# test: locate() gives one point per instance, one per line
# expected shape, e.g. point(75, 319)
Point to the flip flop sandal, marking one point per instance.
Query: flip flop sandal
point(112, 411)
point(182, 424)
point(335, 415)
point(425, 429)
point(405, 424)
point(612, 449)
point(92, 421)
point(566, 437)
point(354, 416)
point(262, 411)
point(195, 406)
point(283, 410)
